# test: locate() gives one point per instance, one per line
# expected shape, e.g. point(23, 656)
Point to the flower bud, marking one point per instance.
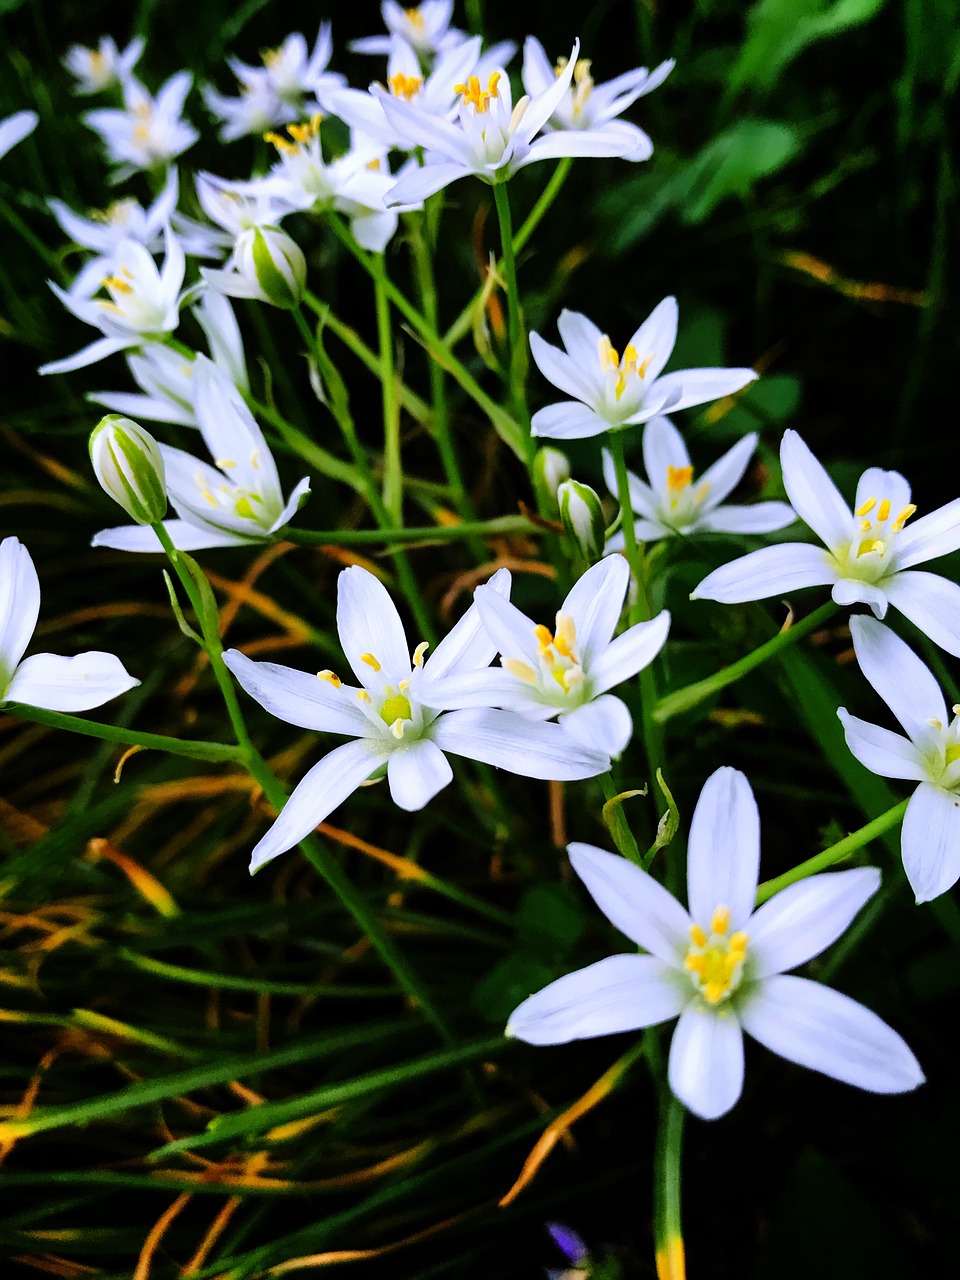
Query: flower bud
point(274, 263)
point(128, 464)
point(582, 517)
point(550, 469)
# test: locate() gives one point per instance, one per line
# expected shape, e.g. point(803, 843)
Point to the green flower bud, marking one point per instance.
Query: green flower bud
point(274, 263)
point(550, 469)
point(582, 517)
point(129, 466)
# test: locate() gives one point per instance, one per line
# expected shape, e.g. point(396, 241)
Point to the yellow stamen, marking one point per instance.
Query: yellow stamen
point(415, 18)
point(883, 511)
point(566, 637)
point(280, 142)
point(903, 517)
point(739, 941)
point(865, 526)
point(370, 660)
point(362, 695)
point(255, 459)
point(520, 670)
point(225, 463)
point(934, 723)
point(871, 544)
point(721, 920)
point(419, 651)
point(695, 963)
point(209, 498)
point(331, 677)
point(544, 636)
point(397, 728)
point(472, 93)
point(117, 284)
point(697, 936)
point(644, 365)
point(405, 87)
point(956, 708)
point(678, 477)
point(865, 508)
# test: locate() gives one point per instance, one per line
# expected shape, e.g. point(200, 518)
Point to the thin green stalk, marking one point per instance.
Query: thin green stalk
point(693, 694)
point(29, 236)
point(415, 533)
point(213, 751)
point(392, 465)
point(411, 402)
point(517, 353)
point(667, 1221)
point(836, 852)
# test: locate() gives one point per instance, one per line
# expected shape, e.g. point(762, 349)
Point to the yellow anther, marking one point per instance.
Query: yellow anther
point(738, 942)
point(609, 358)
point(865, 526)
point(117, 284)
point(397, 728)
point(209, 498)
point(472, 93)
point(280, 142)
point(865, 508)
point(406, 87)
point(370, 660)
point(331, 677)
point(678, 477)
point(956, 708)
point(721, 920)
point(403, 686)
point(697, 936)
point(934, 723)
point(883, 511)
point(702, 490)
point(419, 651)
point(695, 963)
point(362, 695)
point(561, 67)
point(544, 635)
point(374, 164)
point(415, 18)
point(871, 544)
point(255, 459)
point(714, 992)
point(566, 635)
point(270, 56)
point(903, 517)
point(581, 71)
point(644, 365)
point(225, 463)
point(520, 670)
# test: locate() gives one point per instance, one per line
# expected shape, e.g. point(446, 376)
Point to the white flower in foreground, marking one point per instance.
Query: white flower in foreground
point(46, 680)
point(392, 719)
point(721, 966)
point(567, 672)
point(491, 139)
point(144, 303)
point(929, 754)
point(594, 107)
point(673, 502)
point(870, 554)
point(15, 128)
point(426, 27)
point(266, 263)
point(103, 67)
point(614, 391)
point(107, 229)
point(148, 132)
point(165, 376)
point(235, 503)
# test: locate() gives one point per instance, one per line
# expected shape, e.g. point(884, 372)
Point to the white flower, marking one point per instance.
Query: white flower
point(392, 721)
point(592, 107)
point(612, 391)
point(293, 72)
point(425, 26)
point(103, 67)
point(143, 303)
point(15, 128)
point(236, 503)
point(721, 967)
point(149, 131)
point(104, 231)
point(566, 672)
point(257, 108)
point(870, 554)
point(46, 680)
point(674, 503)
point(929, 754)
point(165, 376)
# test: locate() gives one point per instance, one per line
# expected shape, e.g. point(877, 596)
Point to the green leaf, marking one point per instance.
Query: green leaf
point(550, 919)
point(509, 982)
point(778, 30)
point(733, 162)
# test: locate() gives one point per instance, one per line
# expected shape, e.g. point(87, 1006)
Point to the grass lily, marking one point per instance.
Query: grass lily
point(46, 680)
point(149, 132)
point(721, 966)
point(870, 553)
point(612, 391)
point(392, 720)
point(425, 27)
point(97, 69)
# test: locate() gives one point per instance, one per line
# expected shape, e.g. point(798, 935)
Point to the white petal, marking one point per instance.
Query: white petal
point(510, 630)
point(633, 902)
point(663, 448)
point(416, 773)
point(629, 653)
point(488, 687)
point(727, 472)
point(316, 796)
point(557, 367)
point(140, 407)
point(819, 1028)
point(656, 338)
point(185, 535)
point(298, 497)
point(848, 591)
point(879, 484)
point(887, 754)
point(906, 684)
point(759, 517)
point(69, 684)
point(416, 185)
point(98, 350)
point(620, 993)
point(931, 603)
point(298, 697)
point(812, 493)
point(641, 495)
point(771, 571)
point(368, 622)
point(932, 535)
point(805, 918)
point(698, 386)
point(706, 1062)
point(15, 128)
point(930, 841)
point(423, 130)
point(644, 531)
point(542, 107)
point(582, 338)
point(568, 421)
point(611, 141)
point(594, 603)
point(466, 647)
point(723, 850)
point(513, 742)
point(19, 604)
point(603, 724)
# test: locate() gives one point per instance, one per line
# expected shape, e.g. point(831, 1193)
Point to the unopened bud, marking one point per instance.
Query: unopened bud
point(274, 263)
point(550, 469)
point(129, 466)
point(582, 517)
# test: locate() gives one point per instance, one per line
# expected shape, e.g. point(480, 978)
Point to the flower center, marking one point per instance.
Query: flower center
point(479, 98)
point(629, 364)
point(684, 500)
point(405, 87)
point(583, 82)
point(415, 18)
point(714, 960)
point(877, 534)
point(559, 663)
point(301, 134)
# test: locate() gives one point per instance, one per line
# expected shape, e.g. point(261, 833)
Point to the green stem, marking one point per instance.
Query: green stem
point(667, 1223)
point(392, 466)
point(618, 825)
point(214, 751)
point(415, 533)
point(517, 353)
point(36, 244)
point(411, 402)
point(693, 694)
point(836, 852)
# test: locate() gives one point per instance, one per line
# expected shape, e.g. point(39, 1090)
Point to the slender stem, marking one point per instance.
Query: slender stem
point(36, 244)
point(693, 694)
point(619, 827)
point(214, 751)
point(516, 355)
point(392, 467)
point(836, 852)
point(668, 1228)
point(414, 533)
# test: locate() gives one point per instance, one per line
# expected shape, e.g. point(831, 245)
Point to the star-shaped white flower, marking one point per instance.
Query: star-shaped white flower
point(721, 966)
point(235, 503)
point(103, 67)
point(46, 680)
point(566, 672)
point(149, 131)
point(870, 552)
point(392, 720)
point(673, 503)
point(611, 390)
point(426, 27)
point(929, 754)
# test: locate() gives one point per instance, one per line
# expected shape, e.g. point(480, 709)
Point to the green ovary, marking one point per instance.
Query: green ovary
point(395, 708)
